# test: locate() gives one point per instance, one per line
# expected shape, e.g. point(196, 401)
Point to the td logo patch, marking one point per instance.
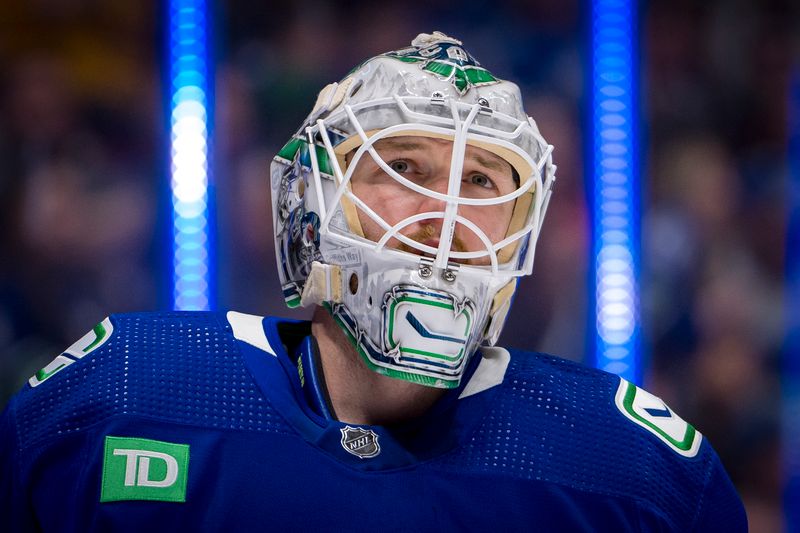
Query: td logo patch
point(144, 469)
point(651, 413)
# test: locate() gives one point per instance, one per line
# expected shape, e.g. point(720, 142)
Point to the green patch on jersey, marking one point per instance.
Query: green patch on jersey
point(144, 469)
point(652, 414)
point(98, 336)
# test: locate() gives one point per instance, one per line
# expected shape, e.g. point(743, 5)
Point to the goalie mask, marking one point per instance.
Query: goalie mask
point(408, 204)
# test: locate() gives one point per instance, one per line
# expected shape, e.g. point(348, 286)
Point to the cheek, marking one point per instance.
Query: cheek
point(392, 204)
point(493, 220)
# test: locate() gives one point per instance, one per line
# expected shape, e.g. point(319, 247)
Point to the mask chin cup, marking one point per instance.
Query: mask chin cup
point(427, 332)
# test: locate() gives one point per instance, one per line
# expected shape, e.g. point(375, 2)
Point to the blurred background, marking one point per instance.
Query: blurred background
point(84, 226)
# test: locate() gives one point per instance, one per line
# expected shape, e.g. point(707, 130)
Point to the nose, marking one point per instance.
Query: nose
point(431, 228)
point(437, 182)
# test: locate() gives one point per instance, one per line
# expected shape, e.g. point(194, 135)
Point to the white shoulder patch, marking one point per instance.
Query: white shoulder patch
point(651, 413)
point(81, 348)
point(490, 372)
point(249, 328)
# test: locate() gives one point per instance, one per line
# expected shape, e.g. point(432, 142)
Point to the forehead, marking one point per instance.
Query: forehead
point(436, 147)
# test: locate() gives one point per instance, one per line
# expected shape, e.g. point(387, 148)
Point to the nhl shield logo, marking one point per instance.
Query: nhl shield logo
point(360, 442)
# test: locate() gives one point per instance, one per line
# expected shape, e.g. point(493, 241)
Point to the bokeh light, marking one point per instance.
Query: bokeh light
point(616, 202)
point(189, 155)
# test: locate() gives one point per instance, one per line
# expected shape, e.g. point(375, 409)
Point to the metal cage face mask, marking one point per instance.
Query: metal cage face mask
point(416, 257)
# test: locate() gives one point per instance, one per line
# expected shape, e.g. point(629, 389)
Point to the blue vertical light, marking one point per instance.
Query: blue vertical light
point(791, 352)
point(615, 176)
point(189, 128)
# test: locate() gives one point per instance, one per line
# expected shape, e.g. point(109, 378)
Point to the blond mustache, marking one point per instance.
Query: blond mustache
point(426, 232)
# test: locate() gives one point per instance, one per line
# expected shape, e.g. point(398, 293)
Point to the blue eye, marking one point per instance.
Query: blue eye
point(399, 166)
point(481, 181)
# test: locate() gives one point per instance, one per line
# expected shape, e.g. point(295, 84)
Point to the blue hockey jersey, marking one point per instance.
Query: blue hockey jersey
point(204, 422)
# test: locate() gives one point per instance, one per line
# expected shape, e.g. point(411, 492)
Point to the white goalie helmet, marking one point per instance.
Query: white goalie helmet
point(417, 264)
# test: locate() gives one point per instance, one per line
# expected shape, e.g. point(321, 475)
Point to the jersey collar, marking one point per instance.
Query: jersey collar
point(307, 362)
point(294, 385)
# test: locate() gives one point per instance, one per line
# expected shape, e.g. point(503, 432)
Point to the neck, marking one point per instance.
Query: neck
point(359, 395)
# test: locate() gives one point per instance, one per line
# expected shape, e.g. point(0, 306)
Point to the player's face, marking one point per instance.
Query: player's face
point(426, 162)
